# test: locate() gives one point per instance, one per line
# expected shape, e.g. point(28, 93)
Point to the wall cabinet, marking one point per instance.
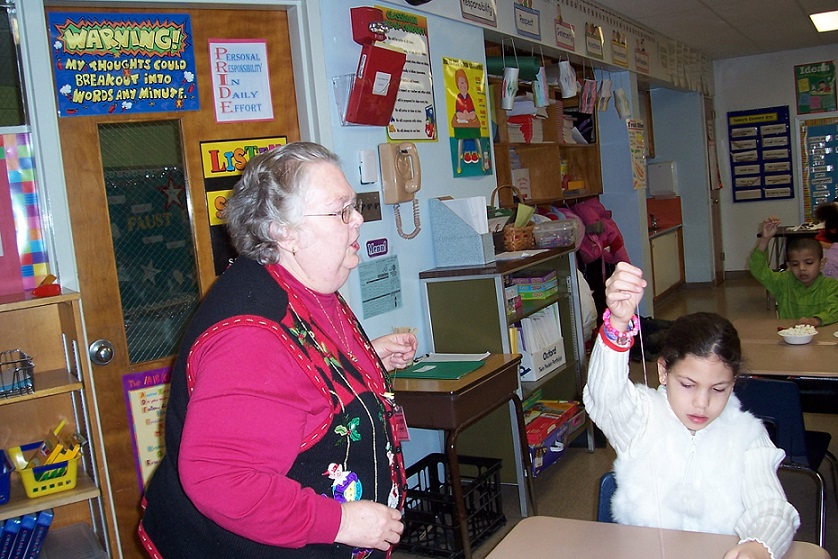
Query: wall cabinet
point(50, 331)
point(546, 155)
point(467, 314)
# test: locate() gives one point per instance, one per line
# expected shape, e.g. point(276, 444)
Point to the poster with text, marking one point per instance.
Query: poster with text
point(241, 87)
point(414, 115)
point(815, 86)
point(468, 130)
point(146, 395)
point(222, 163)
point(760, 154)
point(122, 63)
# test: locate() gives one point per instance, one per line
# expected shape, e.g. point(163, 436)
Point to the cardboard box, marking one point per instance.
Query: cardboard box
point(537, 364)
point(547, 437)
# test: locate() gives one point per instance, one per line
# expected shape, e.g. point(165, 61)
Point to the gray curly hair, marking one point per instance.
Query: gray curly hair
point(270, 194)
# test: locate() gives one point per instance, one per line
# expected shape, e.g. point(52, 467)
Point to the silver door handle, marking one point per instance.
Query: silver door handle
point(101, 352)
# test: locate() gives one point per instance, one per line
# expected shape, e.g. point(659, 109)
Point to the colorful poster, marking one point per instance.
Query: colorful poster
point(468, 130)
point(414, 114)
point(241, 87)
point(222, 163)
point(123, 63)
point(760, 154)
point(815, 86)
point(146, 395)
point(637, 151)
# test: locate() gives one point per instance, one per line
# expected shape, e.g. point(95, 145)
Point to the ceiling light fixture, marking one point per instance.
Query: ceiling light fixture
point(825, 21)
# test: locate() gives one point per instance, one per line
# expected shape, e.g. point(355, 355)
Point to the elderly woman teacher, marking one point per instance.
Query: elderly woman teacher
point(280, 426)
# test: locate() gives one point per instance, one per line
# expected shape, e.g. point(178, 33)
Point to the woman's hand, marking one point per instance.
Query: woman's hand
point(623, 291)
point(748, 550)
point(367, 524)
point(396, 351)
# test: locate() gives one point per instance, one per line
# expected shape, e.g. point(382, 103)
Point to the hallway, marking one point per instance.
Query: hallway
point(569, 488)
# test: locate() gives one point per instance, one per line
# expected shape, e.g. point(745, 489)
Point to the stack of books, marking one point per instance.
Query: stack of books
point(22, 537)
point(535, 284)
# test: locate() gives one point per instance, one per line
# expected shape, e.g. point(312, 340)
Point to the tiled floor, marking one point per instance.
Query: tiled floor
point(569, 488)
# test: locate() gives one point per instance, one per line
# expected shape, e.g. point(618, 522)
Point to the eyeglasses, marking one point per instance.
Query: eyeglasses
point(345, 214)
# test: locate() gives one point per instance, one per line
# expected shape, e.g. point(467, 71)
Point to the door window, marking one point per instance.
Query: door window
point(152, 234)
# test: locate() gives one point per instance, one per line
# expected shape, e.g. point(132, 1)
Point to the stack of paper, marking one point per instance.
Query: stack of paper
point(443, 366)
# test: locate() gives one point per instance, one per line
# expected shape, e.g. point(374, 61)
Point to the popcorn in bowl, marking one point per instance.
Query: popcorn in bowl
point(799, 330)
point(798, 334)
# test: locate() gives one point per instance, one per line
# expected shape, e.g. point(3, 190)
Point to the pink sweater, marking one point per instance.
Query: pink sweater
point(250, 409)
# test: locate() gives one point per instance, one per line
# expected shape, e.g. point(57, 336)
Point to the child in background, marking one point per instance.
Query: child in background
point(688, 458)
point(805, 295)
point(828, 237)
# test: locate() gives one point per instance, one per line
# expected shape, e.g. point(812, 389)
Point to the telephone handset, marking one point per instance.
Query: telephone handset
point(401, 177)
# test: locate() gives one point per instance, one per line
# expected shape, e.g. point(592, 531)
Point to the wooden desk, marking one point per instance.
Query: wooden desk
point(561, 538)
point(453, 405)
point(767, 354)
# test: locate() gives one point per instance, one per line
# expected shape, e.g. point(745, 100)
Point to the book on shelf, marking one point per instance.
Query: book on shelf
point(24, 535)
point(36, 542)
point(7, 539)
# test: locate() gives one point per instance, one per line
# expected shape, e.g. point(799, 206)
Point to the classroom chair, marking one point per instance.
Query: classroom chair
point(777, 403)
point(607, 486)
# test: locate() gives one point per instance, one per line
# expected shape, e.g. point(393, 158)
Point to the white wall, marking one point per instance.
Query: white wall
point(679, 136)
point(755, 82)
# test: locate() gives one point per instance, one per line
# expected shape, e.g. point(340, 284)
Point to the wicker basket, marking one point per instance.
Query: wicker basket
point(518, 238)
point(515, 238)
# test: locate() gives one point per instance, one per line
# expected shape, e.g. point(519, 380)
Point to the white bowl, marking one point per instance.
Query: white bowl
point(797, 340)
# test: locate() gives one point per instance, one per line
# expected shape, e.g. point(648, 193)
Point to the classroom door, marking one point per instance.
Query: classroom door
point(142, 239)
point(715, 182)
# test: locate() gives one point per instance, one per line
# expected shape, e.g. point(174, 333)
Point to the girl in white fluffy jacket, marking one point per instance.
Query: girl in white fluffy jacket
point(688, 458)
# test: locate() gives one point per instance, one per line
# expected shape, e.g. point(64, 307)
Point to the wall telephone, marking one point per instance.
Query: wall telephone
point(401, 177)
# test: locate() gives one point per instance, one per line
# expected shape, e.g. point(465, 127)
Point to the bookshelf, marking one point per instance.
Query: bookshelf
point(466, 313)
point(50, 331)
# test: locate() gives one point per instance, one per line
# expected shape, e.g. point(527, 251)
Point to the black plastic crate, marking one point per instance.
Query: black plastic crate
point(430, 516)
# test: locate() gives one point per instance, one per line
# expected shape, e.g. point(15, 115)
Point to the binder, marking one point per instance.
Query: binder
point(27, 525)
point(440, 370)
point(9, 535)
point(377, 81)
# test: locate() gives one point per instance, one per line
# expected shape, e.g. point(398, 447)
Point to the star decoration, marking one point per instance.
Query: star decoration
point(172, 192)
point(150, 272)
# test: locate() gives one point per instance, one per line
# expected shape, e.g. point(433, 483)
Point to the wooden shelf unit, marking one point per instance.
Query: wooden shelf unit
point(544, 159)
point(50, 331)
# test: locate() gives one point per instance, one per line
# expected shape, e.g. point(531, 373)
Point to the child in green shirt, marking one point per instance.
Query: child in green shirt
point(804, 294)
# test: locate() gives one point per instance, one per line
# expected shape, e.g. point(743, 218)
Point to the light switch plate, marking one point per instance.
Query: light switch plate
point(368, 165)
point(369, 204)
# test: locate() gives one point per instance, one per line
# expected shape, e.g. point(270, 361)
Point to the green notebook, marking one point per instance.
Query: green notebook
point(445, 370)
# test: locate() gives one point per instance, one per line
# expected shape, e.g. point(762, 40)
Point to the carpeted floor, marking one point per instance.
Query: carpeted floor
point(568, 489)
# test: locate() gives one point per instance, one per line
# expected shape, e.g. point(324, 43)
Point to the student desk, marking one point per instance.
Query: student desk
point(561, 538)
point(767, 354)
point(453, 405)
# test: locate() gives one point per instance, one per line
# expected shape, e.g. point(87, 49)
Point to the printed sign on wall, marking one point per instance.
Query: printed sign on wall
point(146, 395)
point(815, 86)
point(241, 86)
point(122, 63)
point(223, 162)
point(760, 154)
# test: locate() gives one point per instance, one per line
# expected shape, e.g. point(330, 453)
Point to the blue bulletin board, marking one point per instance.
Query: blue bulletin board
point(819, 142)
point(122, 63)
point(760, 154)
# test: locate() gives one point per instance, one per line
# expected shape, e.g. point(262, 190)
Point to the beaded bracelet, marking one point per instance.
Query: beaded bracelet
point(622, 339)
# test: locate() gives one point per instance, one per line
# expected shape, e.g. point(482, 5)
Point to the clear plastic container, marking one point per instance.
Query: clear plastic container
point(555, 234)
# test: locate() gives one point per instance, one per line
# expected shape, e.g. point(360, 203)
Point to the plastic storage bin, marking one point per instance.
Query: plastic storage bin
point(43, 480)
point(6, 470)
point(555, 234)
point(430, 517)
point(76, 541)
